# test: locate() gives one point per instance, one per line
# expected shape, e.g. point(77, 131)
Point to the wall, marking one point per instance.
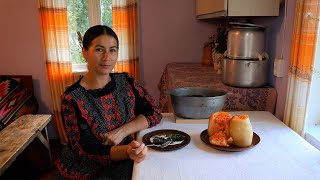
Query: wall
point(279, 33)
point(21, 50)
point(284, 41)
point(170, 32)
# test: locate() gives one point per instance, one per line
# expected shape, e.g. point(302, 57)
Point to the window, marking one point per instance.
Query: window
point(83, 14)
point(312, 134)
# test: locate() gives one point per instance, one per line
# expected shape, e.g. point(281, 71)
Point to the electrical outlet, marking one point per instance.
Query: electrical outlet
point(278, 68)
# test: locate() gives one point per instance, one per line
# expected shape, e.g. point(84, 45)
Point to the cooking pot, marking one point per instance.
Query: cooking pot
point(196, 102)
point(245, 73)
point(245, 41)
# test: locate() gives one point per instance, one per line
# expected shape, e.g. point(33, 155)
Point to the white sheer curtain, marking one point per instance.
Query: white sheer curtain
point(304, 42)
point(94, 11)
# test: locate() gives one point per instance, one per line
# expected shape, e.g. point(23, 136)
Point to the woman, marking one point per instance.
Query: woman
point(101, 111)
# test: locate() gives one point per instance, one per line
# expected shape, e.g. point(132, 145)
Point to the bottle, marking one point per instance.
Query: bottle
point(206, 56)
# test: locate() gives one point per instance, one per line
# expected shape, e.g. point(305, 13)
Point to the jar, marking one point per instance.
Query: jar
point(206, 56)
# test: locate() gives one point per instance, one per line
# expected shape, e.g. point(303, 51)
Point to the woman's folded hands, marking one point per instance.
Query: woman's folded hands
point(136, 151)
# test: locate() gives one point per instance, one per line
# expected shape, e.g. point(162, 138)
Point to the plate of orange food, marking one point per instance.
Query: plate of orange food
point(229, 133)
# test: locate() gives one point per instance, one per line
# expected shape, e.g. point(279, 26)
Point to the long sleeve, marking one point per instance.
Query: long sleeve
point(145, 104)
point(80, 137)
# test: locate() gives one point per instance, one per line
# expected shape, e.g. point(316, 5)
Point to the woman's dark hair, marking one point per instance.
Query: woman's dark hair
point(96, 31)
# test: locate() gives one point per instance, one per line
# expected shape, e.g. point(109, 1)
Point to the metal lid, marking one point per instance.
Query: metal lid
point(245, 25)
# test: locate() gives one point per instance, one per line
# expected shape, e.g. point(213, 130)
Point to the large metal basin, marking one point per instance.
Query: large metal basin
point(197, 102)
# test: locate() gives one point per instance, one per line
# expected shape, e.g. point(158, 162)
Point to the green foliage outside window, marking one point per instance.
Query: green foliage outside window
point(106, 12)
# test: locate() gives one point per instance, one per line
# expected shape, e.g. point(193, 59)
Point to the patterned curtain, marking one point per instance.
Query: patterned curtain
point(125, 24)
point(54, 28)
point(304, 40)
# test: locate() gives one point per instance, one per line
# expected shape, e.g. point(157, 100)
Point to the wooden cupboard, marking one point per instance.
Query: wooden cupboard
point(236, 8)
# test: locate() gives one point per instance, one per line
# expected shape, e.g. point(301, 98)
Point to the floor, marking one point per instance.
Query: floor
point(55, 148)
point(35, 166)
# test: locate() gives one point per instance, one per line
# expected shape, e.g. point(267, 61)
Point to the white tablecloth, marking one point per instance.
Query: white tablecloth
point(281, 154)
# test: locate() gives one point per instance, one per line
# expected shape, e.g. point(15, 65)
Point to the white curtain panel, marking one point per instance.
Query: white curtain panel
point(94, 11)
point(295, 111)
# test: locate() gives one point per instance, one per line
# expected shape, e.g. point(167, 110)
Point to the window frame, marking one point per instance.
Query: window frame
point(312, 124)
point(94, 15)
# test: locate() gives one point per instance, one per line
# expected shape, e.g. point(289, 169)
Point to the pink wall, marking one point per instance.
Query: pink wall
point(279, 33)
point(284, 41)
point(170, 32)
point(21, 50)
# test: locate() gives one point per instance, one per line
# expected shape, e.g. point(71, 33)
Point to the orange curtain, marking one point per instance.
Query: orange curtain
point(125, 24)
point(303, 46)
point(54, 28)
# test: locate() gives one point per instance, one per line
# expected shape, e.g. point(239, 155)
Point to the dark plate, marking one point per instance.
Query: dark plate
point(232, 148)
point(146, 139)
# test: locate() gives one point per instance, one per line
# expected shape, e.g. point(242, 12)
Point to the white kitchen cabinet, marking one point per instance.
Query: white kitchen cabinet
point(236, 8)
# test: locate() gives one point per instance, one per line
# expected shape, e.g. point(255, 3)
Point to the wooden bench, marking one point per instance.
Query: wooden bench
point(19, 134)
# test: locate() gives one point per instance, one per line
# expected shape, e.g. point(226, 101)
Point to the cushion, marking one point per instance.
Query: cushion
point(15, 101)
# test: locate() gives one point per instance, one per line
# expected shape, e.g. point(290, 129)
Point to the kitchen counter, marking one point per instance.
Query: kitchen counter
point(178, 75)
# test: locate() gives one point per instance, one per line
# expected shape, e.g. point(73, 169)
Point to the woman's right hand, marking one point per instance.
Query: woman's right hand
point(136, 151)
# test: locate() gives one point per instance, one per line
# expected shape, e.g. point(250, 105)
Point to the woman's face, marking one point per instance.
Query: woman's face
point(101, 55)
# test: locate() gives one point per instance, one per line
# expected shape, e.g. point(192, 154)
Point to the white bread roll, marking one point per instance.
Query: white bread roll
point(241, 130)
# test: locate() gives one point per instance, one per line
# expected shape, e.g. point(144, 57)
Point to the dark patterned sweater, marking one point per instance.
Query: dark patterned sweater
point(88, 114)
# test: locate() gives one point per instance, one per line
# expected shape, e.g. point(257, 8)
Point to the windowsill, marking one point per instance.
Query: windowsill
point(312, 135)
point(79, 68)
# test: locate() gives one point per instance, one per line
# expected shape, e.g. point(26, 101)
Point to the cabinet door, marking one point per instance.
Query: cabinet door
point(253, 7)
point(233, 8)
point(205, 8)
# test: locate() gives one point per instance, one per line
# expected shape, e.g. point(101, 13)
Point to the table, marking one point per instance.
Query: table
point(19, 134)
point(281, 154)
point(178, 75)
